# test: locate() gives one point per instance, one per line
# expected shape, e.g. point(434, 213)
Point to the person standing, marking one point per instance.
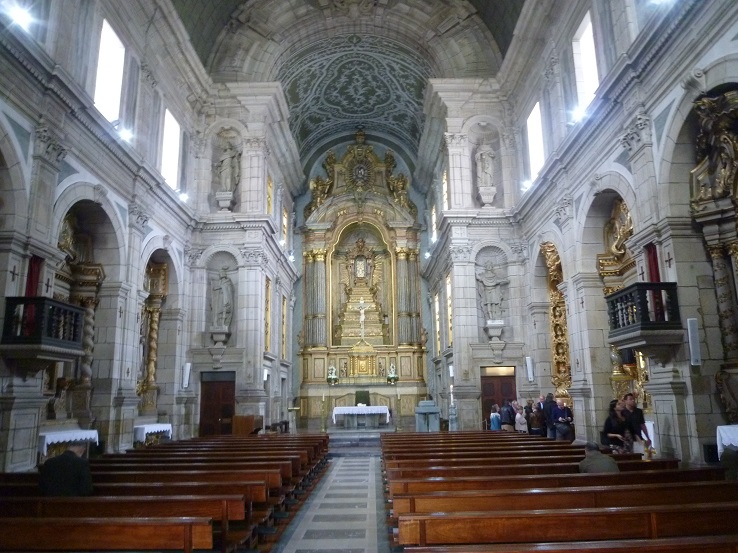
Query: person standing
point(67, 474)
point(617, 432)
point(635, 418)
point(548, 407)
point(494, 418)
point(563, 419)
point(521, 424)
point(507, 414)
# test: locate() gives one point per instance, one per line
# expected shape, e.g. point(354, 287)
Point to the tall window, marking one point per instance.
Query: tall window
point(268, 315)
point(270, 194)
point(444, 190)
point(536, 156)
point(450, 311)
point(285, 225)
point(437, 319)
point(109, 80)
point(284, 327)
point(434, 224)
point(170, 150)
point(585, 66)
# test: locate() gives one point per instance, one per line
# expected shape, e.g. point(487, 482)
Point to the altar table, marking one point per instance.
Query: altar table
point(370, 412)
point(141, 432)
point(63, 438)
point(726, 435)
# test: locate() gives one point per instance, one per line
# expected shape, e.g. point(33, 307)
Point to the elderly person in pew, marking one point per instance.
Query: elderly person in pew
point(595, 461)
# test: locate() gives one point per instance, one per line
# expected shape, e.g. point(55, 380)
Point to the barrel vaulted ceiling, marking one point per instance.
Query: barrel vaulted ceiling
point(349, 63)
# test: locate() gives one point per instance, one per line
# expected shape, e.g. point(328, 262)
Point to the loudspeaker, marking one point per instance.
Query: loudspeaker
point(529, 368)
point(186, 371)
point(695, 357)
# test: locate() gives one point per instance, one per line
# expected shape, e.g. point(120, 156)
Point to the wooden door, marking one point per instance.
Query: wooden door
point(496, 389)
point(217, 405)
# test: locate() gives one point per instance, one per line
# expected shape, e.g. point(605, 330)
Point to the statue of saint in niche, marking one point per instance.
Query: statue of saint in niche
point(222, 301)
point(229, 169)
point(490, 289)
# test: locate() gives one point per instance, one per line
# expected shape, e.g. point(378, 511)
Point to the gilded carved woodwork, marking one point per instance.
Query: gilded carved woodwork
point(561, 372)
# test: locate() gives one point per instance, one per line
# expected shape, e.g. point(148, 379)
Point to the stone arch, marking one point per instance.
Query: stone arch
point(157, 248)
point(13, 190)
point(677, 136)
point(596, 211)
point(112, 234)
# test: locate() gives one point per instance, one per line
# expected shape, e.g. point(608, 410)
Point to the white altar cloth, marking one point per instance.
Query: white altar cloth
point(365, 410)
point(60, 436)
point(726, 435)
point(140, 432)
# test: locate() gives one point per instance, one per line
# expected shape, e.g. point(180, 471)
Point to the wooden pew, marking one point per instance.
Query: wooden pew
point(689, 544)
point(225, 509)
point(105, 534)
point(509, 470)
point(565, 497)
point(563, 525)
point(493, 482)
point(447, 461)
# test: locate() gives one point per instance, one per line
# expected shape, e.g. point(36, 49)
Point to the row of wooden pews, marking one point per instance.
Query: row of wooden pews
point(228, 493)
point(499, 492)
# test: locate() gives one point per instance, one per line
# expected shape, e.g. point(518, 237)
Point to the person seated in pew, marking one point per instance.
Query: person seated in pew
point(67, 474)
point(595, 461)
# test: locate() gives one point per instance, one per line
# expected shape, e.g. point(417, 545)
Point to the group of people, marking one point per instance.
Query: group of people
point(554, 419)
point(548, 417)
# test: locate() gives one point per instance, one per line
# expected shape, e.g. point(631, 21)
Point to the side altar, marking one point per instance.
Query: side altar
point(361, 305)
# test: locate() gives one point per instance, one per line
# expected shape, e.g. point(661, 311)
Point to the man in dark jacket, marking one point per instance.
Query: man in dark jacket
point(67, 474)
point(507, 417)
point(548, 406)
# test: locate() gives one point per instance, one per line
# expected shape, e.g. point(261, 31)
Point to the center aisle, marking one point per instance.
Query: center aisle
point(345, 513)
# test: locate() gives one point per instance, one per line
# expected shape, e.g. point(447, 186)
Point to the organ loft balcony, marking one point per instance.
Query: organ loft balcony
point(645, 316)
point(38, 331)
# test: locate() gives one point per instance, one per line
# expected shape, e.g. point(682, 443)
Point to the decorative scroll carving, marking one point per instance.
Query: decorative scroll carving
point(561, 374)
point(616, 261)
point(254, 257)
point(138, 218)
point(637, 134)
point(193, 255)
point(460, 254)
point(455, 140)
point(563, 209)
point(50, 148)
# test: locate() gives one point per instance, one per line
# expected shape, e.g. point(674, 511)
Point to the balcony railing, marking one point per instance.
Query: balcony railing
point(644, 306)
point(645, 316)
point(42, 322)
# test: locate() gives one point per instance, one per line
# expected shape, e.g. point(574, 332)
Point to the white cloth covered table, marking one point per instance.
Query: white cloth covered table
point(64, 436)
point(726, 435)
point(363, 410)
point(140, 432)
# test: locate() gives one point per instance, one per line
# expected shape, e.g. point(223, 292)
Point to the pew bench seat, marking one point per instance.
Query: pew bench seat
point(187, 534)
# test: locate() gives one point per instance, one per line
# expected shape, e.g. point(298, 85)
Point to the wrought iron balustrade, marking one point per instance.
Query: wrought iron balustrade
point(644, 306)
point(42, 321)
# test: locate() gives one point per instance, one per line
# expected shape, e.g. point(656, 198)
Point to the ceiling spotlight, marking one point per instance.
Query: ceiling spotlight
point(525, 185)
point(125, 134)
point(184, 196)
point(427, 255)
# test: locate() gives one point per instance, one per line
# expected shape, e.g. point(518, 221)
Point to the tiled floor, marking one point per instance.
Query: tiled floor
point(344, 514)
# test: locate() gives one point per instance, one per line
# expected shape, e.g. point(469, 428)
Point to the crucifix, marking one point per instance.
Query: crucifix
point(361, 310)
point(668, 259)
point(48, 285)
point(14, 273)
point(641, 273)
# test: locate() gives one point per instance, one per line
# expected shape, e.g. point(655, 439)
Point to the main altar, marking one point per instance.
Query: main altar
point(362, 333)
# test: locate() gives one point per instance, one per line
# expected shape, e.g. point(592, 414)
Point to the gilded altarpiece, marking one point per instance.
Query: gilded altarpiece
point(361, 291)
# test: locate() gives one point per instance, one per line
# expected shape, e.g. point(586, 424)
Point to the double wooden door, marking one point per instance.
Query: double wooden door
point(218, 403)
point(496, 389)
